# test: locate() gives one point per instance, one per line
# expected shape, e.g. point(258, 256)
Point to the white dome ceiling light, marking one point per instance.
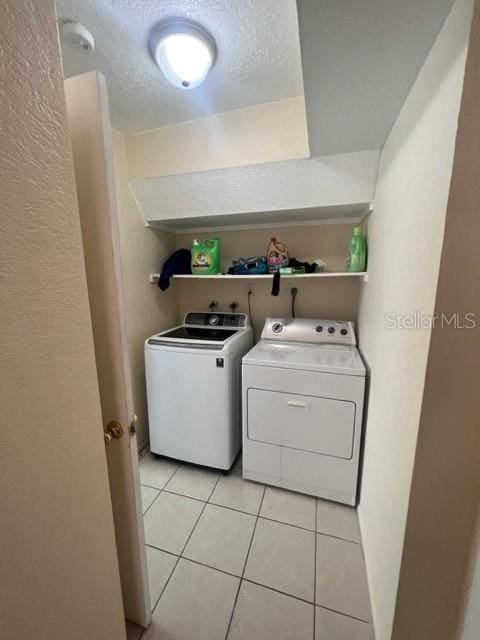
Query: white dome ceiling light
point(184, 51)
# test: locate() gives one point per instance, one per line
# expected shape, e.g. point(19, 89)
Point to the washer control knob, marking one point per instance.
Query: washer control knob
point(213, 321)
point(277, 327)
point(343, 332)
point(319, 328)
point(331, 329)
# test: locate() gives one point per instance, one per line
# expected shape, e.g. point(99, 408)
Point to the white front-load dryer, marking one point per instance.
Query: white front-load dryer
point(303, 395)
point(193, 375)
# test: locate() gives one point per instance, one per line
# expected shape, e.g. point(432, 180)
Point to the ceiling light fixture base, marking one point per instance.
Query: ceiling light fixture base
point(184, 50)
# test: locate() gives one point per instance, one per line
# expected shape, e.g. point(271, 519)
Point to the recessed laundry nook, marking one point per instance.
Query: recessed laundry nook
point(255, 325)
point(269, 194)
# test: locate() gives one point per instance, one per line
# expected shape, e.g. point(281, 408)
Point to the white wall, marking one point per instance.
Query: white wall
point(335, 298)
point(58, 560)
point(441, 540)
point(359, 61)
point(149, 310)
point(263, 133)
point(405, 239)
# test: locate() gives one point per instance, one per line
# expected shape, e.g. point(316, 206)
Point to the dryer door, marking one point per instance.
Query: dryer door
point(310, 423)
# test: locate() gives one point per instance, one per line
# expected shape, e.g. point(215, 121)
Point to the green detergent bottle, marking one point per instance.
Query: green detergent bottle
point(357, 251)
point(206, 257)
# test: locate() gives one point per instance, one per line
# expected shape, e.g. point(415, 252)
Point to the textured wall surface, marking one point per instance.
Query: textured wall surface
point(359, 62)
point(274, 186)
point(405, 240)
point(335, 298)
point(263, 133)
point(57, 560)
point(149, 310)
point(440, 564)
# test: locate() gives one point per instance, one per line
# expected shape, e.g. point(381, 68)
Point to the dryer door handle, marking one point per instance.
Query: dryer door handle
point(298, 404)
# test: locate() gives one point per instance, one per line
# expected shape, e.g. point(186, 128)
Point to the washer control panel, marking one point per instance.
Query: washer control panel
point(277, 327)
point(306, 330)
point(211, 319)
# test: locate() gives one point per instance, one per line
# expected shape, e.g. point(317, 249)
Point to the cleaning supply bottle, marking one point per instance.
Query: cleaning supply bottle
point(206, 257)
point(357, 251)
point(277, 256)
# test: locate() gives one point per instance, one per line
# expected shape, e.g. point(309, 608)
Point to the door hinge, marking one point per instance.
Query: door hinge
point(132, 429)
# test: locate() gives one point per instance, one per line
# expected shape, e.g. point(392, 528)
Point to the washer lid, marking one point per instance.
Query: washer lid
point(326, 358)
point(197, 334)
point(194, 337)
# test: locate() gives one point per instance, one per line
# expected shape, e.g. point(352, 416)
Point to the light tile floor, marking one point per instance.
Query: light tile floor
point(231, 559)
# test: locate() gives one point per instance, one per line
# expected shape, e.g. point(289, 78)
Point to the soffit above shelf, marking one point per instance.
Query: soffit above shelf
point(342, 214)
point(289, 192)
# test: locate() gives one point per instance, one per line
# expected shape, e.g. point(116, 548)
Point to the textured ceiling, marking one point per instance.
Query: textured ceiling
point(360, 60)
point(258, 56)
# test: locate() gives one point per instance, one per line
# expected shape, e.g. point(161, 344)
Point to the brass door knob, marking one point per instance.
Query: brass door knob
point(114, 431)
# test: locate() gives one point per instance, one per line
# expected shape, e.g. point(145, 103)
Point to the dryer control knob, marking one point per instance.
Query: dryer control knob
point(343, 332)
point(319, 328)
point(277, 327)
point(331, 329)
point(213, 320)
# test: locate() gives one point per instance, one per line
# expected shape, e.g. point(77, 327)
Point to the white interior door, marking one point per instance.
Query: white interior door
point(89, 124)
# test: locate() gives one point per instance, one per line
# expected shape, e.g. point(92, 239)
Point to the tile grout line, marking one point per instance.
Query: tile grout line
point(166, 481)
point(178, 467)
point(368, 586)
point(166, 583)
point(323, 533)
point(162, 591)
point(259, 584)
point(242, 577)
point(178, 559)
point(198, 519)
point(143, 515)
point(157, 489)
point(151, 504)
point(249, 513)
point(196, 468)
point(184, 495)
point(330, 535)
point(150, 486)
point(170, 553)
point(288, 524)
point(184, 546)
point(346, 615)
point(315, 572)
point(203, 564)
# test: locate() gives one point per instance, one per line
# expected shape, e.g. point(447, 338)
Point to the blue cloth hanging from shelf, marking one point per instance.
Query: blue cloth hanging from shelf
point(179, 263)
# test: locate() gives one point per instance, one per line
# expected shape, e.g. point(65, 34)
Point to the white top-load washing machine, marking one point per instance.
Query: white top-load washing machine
point(193, 375)
point(303, 391)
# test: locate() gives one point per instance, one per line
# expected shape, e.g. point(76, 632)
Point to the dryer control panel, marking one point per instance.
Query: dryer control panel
point(315, 331)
